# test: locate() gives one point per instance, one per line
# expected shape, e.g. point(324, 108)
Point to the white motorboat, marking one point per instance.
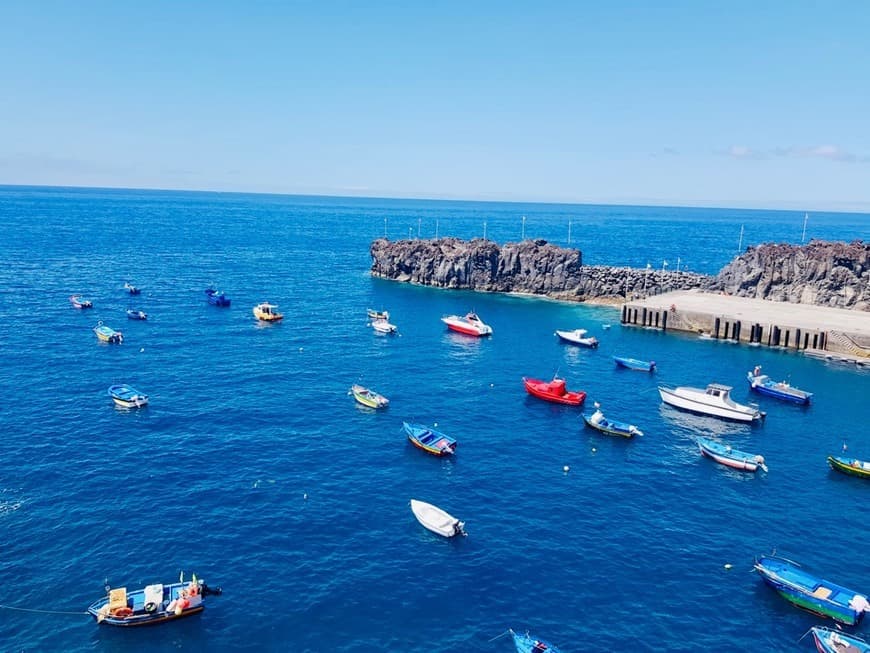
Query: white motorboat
point(715, 400)
point(470, 325)
point(437, 520)
point(382, 326)
point(578, 337)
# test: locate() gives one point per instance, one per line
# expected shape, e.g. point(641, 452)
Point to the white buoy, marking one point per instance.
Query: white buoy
point(492, 385)
point(594, 449)
point(727, 565)
point(436, 423)
point(300, 349)
point(141, 350)
point(305, 496)
point(566, 469)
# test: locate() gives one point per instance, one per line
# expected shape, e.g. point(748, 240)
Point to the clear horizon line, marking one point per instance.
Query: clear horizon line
point(785, 205)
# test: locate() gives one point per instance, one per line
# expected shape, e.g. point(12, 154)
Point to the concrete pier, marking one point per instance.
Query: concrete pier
point(774, 324)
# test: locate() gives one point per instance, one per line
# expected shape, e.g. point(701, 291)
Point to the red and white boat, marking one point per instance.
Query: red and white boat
point(470, 325)
point(554, 391)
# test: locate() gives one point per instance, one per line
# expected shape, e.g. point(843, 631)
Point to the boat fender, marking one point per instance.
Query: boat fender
point(122, 613)
point(150, 607)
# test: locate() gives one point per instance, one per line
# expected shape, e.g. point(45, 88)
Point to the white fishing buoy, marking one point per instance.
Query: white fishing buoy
point(436, 424)
point(566, 469)
point(727, 565)
point(305, 496)
point(141, 350)
point(300, 349)
point(492, 385)
point(594, 450)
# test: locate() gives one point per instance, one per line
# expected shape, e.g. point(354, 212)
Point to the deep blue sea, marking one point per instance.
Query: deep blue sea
point(253, 468)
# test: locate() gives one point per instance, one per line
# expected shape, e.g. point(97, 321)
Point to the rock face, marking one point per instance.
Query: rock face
point(821, 273)
point(532, 266)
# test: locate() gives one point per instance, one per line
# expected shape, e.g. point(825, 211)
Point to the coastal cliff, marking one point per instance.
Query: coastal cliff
point(532, 266)
point(820, 273)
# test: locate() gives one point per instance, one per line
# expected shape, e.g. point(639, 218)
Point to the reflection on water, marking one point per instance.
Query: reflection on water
point(692, 424)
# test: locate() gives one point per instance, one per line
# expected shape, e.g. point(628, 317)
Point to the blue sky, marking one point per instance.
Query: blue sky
point(696, 103)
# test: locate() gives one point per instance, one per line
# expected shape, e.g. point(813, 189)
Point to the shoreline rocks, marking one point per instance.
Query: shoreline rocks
point(821, 273)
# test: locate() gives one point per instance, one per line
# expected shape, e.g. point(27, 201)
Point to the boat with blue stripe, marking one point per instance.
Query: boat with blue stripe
point(828, 640)
point(810, 592)
point(634, 364)
point(430, 440)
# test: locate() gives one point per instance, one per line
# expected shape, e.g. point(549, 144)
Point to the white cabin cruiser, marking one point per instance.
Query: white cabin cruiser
point(715, 400)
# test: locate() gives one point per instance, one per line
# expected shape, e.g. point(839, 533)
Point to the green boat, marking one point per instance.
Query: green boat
point(850, 466)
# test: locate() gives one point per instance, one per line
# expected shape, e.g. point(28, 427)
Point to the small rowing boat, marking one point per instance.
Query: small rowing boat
point(725, 455)
point(107, 334)
point(378, 315)
point(763, 384)
point(136, 315)
point(80, 302)
point(598, 422)
point(368, 398)
point(382, 326)
point(528, 644)
point(127, 396)
point(635, 364)
point(437, 520)
point(430, 440)
point(266, 312)
point(130, 288)
point(216, 297)
point(828, 640)
point(850, 466)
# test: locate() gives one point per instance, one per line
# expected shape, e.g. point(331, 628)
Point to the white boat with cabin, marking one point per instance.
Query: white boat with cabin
point(715, 400)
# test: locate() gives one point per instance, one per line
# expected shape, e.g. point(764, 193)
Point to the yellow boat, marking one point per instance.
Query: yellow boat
point(267, 312)
point(368, 397)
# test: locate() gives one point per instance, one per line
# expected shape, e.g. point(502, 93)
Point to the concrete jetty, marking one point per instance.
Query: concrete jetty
point(776, 324)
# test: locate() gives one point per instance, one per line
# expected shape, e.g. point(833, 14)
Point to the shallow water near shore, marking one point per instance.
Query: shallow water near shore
point(253, 468)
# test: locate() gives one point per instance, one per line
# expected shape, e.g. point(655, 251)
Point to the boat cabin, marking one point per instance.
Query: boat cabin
point(719, 390)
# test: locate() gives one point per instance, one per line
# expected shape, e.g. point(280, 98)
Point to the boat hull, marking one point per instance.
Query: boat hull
point(435, 519)
point(126, 396)
point(832, 641)
point(161, 610)
point(634, 364)
point(810, 592)
point(609, 427)
point(580, 339)
point(216, 298)
point(743, 461)
point(466, 327)
point(431, 441)
point(694, 406)
point(851, 467)
point(782, 391)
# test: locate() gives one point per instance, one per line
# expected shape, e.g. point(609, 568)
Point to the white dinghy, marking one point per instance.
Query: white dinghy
point(437, 520)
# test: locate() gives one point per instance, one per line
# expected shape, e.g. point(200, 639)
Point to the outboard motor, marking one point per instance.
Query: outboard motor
point(206, 590)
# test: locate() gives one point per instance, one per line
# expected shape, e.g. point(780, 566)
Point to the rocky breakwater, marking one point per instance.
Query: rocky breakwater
point(821, 273)
point(530, 267)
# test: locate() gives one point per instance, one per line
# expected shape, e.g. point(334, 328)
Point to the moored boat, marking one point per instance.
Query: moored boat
point(430, 440)
point(382, 326)
point(725, 455)
point(578, 337)
point(136, 315)
point(130, 288)
point(525, 643)
point(609, 426)
point(377, 315)
point(850, 466)
point(763, 384)
point(107, 334)
point(267, 312)
point(151, 605)
point(828, 640)
point(470, 325)
point(216, 297)
point(127, 396)
point(715, 401)
point(635, 364)
point(811, 592)
point(554, 391)
point(80, 302)
point(368, 397)
point(437, 520)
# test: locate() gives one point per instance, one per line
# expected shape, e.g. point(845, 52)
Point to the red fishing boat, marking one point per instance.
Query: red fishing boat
point(554, 391)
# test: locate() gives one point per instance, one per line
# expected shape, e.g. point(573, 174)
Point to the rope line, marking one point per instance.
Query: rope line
point(12, 607)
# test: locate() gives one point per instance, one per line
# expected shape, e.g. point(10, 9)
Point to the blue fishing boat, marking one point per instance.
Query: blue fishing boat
point(763, 384)
point(430, 440)
point(136, 315)
point(216, 297)
point(152, 604)
point(725, 455)
point(635, 364)
point(127, 396)
point(528, 644)
point(107, 334)
point(810, 592)
point(598, 422)
point(828, 640)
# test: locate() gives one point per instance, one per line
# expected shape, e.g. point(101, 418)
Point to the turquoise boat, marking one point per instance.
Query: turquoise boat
point(829, 640)
point(108, 334)
point(528, 644)
point(430, 440)
point(810, 592)
point(634, 364)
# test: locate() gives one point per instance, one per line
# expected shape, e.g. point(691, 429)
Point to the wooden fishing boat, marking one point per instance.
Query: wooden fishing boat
point(598, 422)
point(107, 334)
point(635, 364)
point(377, 315)
point(470, 325)
point(151, 605)
point(130, 288)
point(528, 644)
point(80, 302)
point(127, 396)
point(437, 520)
point(382, 326)
point(578, 337)
point(267, 312)
point(430, 440)
point(554, 391)
point(216, 297)
point(368, 397)
point(725, 455)
point(715, 400)
point(136, 315)
point(828, 640)
point(810, 592)
point(850, 466)
point(763, 384)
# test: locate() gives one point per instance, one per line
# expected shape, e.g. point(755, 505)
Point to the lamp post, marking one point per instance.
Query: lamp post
point(436, 228)
point(484, 229)
point(524, 228)
point(419, 222)
point(410, 233)
point(646, 276)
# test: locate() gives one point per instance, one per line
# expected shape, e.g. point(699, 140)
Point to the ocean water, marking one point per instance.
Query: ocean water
point(253, 468)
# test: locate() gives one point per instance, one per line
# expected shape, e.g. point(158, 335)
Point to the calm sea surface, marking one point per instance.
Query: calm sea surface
point(253, 468)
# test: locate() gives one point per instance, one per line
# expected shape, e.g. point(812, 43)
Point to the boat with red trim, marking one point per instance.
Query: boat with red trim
point(554, 391)
point(430, 440)
point(470, 325)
